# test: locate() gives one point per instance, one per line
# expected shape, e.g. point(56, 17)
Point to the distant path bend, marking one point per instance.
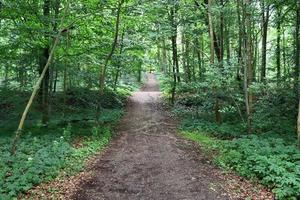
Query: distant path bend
point(148, 161)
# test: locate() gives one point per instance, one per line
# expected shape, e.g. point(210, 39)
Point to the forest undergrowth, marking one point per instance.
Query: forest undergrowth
point(269, 155)
point(61, 148)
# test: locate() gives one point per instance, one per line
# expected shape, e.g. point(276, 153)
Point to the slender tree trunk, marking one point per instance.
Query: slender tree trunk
point(211, 33)
point(44, 91)
point(175, 65)
point(55, 81)
point(248, 64)
point(187, 55)
point(265, 22)
point(159, 57)
point(199, 59)
point(164, 56)
point(227, 41)
point(255, 67)
point(103, 67)
point(183, 53)
point(284, 54)
point(298, 124)
point(240, 40)
point(212, 59)
point(139, 79)
point(34, 94)
point(118, 70)
point(297, 58)
point(222, 31)
point(278, 48)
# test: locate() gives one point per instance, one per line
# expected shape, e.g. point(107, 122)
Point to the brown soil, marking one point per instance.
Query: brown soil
point(149, 161)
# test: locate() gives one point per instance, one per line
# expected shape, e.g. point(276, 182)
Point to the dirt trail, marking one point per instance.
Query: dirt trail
point(149, 161)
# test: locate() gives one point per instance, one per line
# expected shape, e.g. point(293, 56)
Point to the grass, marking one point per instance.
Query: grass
point(200, 138)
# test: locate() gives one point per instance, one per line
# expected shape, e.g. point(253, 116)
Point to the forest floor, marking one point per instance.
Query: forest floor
point(149, 160)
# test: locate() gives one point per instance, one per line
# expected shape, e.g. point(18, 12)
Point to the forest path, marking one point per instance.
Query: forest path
point(148, 160)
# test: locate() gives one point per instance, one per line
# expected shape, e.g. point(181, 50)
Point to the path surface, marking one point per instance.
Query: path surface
point(149, 161)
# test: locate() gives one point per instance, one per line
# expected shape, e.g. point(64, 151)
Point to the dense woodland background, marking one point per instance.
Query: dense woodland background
point(230, 68)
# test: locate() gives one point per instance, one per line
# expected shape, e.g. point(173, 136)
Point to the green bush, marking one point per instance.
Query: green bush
point(42, 158)
point(271, 160)
point(37, 160)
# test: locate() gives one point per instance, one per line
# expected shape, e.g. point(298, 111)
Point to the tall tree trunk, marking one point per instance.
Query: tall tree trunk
point(212, 60)
point(118, 70)
point(34, 94)
point(164, 56)
point(199, 58)
point(221, 31)
point(248, 64)
point(278, 48)
point(187, 55)
point(255, 58)
point(284, 55)
point(55, 81)
point(44, 91)
point(227, 41)
point(240, 40)
point(159, 57)
point(175, 65)
point(298, 124)
point(103, 67)
point(183, 53)
point(185, 58)
point(211, 33)
point(297, 52)
point(265, 22)
point(139, 79)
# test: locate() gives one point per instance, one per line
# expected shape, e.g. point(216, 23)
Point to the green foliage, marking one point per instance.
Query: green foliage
point(269, 159)
point(200, 138)
point(271, 155)
point(67, 132)
point(38, 159)
point(43, 153)
point(275, 103)
point(42, 158)
point(225, 130)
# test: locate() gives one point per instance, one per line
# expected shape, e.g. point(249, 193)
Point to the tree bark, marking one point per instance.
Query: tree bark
point(240, 40)
point(212, 60)
point(164, 56)
point(44, 91)
point(175, 64)
point(298, 124)
point(221, 43)
point(248, 64)
point(118, 70)
point(297, 63)
point(265, 22)
point(278, 47)
point(103, 67)
point(34, 94)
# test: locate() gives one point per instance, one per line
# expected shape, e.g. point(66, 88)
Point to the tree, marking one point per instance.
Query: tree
point(175, 64)
point(265, 21)
point(103, 68)
point(248, 62)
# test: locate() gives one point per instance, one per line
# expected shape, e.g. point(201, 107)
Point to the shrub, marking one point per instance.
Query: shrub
point(271, 160)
